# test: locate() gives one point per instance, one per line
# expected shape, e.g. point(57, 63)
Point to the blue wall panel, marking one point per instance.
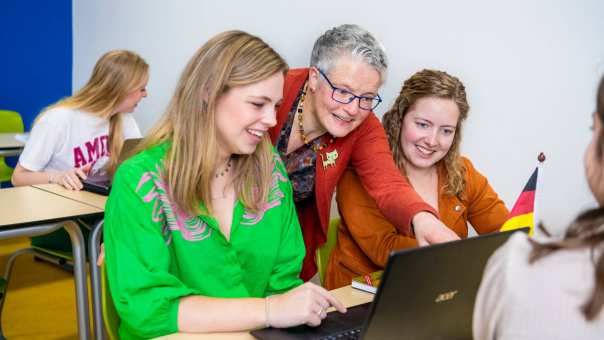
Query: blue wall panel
point(35, 55)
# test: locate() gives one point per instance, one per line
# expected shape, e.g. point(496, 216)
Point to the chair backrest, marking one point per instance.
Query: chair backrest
point(110, 317)
point(10, 121)
point(322, 256)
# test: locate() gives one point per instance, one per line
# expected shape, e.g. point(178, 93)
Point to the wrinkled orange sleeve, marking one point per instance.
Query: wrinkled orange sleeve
point(373, 233)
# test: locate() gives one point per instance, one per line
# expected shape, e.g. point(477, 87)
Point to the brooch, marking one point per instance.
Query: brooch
point(329, 159)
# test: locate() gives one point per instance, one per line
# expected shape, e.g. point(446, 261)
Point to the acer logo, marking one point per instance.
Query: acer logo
point(445, 296)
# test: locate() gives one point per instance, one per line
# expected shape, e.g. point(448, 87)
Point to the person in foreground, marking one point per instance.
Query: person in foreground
point(201, 233)
point(326, 124)
point(554, 288)
point(83, 132)
point(424, 132)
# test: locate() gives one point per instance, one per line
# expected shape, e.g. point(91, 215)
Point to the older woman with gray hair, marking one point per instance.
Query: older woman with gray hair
point(326, 124)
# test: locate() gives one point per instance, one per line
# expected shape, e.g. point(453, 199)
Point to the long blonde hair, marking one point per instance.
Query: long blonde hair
point(430, 83)
point(115, 75)
point(228, 60)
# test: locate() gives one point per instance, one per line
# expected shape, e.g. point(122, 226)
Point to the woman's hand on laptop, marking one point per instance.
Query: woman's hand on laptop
point(305, 304)
point(430, 230)
point(70, 179)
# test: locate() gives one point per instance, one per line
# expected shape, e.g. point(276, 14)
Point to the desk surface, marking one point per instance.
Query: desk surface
point(88, 198)
point(8, 141)
point(29, 205)
point(348, 295)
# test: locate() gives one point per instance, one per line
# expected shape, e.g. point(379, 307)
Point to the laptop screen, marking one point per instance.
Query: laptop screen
point(425, 293)
point(429, 292)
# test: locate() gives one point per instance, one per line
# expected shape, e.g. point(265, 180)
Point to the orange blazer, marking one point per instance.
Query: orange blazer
point(366, 150)
point(365, 237)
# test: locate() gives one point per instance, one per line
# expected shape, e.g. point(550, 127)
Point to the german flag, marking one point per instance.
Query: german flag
point(522, 214)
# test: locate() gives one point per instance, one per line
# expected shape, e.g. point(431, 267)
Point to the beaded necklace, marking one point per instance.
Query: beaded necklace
point(225, 170)
point(300, 110)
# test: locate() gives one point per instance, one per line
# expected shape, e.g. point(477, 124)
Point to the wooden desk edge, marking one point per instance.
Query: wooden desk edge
point(84, 197)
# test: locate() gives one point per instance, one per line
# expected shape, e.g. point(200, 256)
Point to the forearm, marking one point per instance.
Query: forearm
point(199, 314)
point(23, 177)
point(405, 219)
point(381, 178)
point(420, 218)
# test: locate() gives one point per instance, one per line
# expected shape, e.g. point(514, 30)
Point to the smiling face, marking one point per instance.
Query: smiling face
point(352, 75)
point(428, 131)
point(245, 113)
point(133, 98)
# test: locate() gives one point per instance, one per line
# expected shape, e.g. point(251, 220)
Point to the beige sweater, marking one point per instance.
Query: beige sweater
point(539, 301)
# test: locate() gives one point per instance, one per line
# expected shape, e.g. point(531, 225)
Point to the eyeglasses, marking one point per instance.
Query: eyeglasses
point(344, 96)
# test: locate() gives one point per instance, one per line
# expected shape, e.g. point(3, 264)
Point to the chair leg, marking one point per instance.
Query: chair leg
point(95, 280)
point(6, 278)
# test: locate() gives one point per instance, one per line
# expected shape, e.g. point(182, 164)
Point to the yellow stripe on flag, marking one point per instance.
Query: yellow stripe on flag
point(520, 221)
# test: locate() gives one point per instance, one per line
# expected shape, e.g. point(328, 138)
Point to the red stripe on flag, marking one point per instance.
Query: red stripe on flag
point(524, 204)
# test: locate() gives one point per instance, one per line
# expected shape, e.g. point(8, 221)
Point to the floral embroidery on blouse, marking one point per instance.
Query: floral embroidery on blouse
point(167, 212)
point(194, 228)
point(275, 196)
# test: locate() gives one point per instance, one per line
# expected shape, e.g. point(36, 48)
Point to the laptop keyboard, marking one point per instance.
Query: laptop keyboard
point(347, 334)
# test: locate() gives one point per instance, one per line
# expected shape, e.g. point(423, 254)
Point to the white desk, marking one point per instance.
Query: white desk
point(28, 211)
point(95, 201)
point(9, 146)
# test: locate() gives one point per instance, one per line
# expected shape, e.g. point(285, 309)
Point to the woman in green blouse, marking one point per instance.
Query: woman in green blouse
point(201, 233)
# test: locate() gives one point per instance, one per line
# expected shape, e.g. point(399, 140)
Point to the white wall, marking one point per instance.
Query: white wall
point(530, 67)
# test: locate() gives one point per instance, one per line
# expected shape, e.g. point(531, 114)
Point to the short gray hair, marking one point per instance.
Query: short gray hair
point(351, 40)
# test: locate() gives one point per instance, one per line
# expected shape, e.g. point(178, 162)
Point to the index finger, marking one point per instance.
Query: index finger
point(422, 242)
point(74, 181)
point(339, 306)
point(445, 235)
point(80, 173)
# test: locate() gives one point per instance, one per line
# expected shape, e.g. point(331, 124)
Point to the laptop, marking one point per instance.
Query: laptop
point(98, 181)
point(425, 293)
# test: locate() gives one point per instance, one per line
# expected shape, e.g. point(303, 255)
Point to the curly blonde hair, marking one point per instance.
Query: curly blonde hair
point(430, 83)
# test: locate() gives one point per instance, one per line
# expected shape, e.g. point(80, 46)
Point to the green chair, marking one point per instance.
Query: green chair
point(322, 256)
point(111, 319)
point(10, 121)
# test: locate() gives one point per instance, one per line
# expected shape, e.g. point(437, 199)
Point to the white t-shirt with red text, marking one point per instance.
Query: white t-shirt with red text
point(64, 139)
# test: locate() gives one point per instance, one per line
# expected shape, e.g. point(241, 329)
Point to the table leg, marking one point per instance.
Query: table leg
point(79, 273)
point(95, 279)
point(4, 280)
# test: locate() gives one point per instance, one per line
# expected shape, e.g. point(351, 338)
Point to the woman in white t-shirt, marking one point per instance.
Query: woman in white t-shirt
point(87, 130)
point(84, 132)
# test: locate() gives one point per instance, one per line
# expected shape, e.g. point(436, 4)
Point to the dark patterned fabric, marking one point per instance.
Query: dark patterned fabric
point(300, 163)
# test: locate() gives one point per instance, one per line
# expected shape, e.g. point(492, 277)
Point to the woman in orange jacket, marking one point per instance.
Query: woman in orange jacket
point(424, 132)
